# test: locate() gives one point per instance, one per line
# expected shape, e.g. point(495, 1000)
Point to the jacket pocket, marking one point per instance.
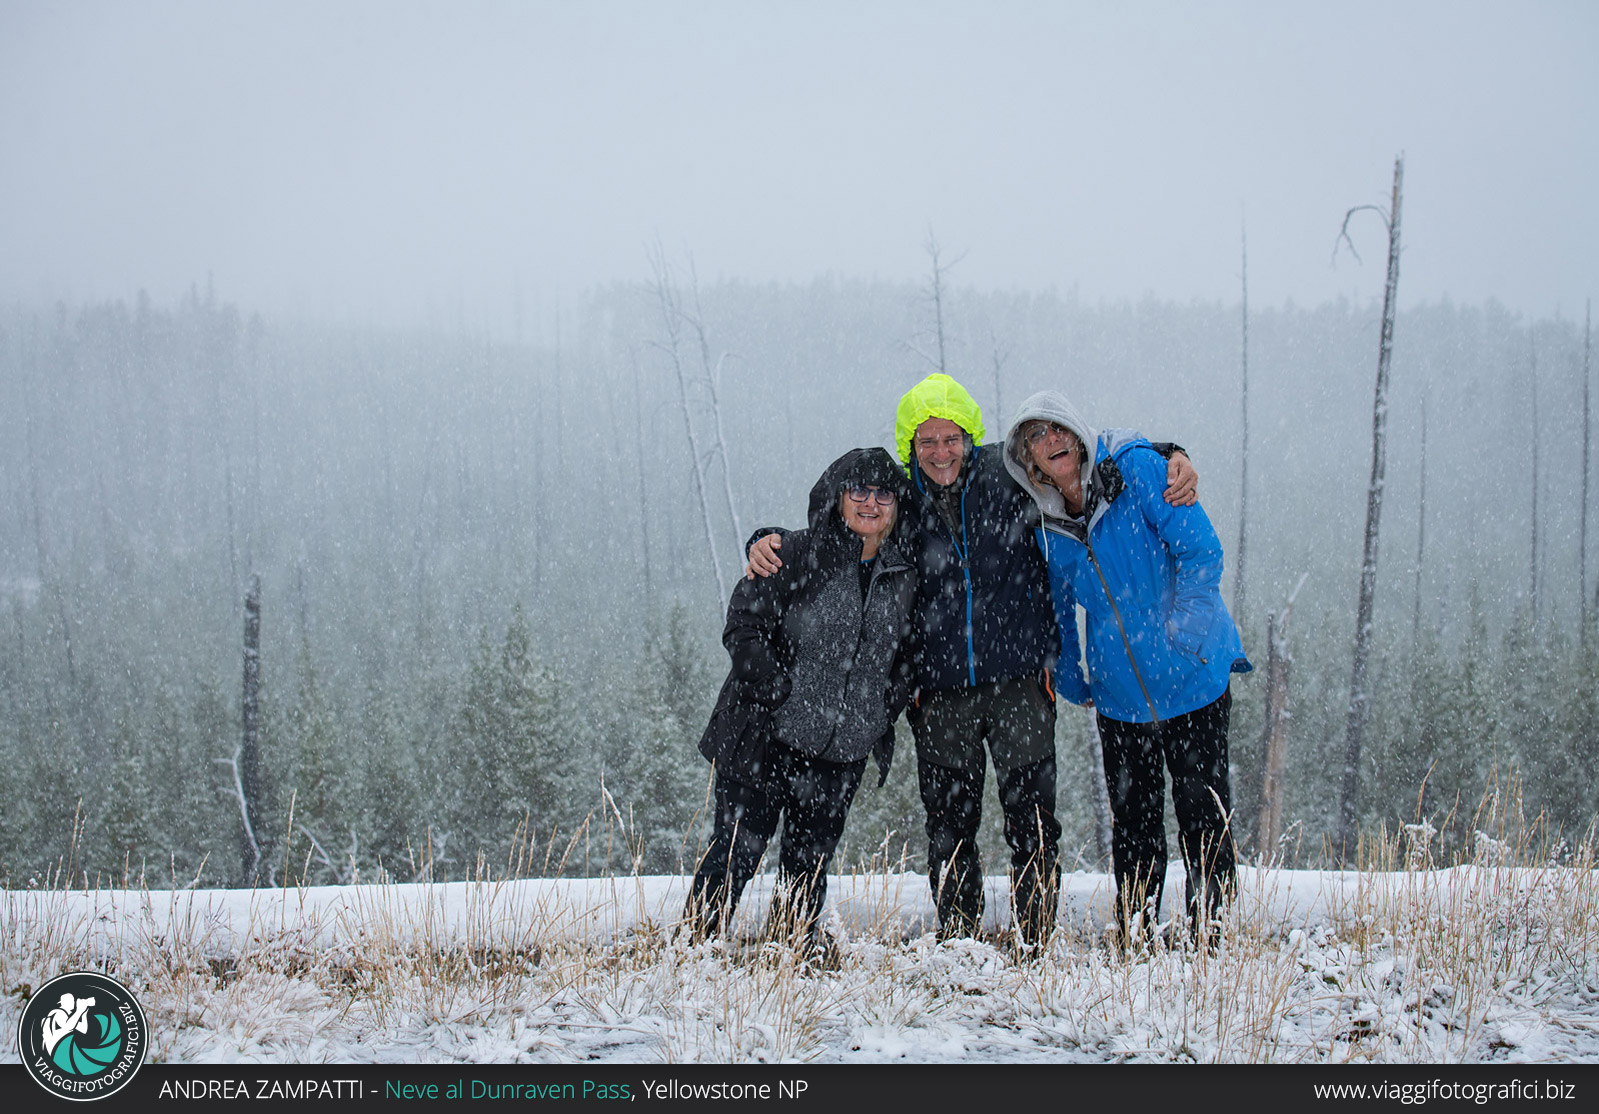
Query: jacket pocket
point(1041, 690)
point(1186, 640)
point(742, 757)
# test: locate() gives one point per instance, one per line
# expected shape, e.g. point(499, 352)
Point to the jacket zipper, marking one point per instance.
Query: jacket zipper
point(963, 549)
point(1120, 626)
point(966, 574)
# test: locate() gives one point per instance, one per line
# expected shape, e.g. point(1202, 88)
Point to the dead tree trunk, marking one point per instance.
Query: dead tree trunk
point(1243, 470)
point(643, 501)
point(999, 357)
point(558, 393)
point(712, 372)
point(938, 359)
point(672, 316)
point(1359, 697)
point(937, 293)
point(1532, 575)
point(225, 444)
point(248, 767)
point(1582, 534)
point(1274, 732)
point(1421, 533)
point(46, 567)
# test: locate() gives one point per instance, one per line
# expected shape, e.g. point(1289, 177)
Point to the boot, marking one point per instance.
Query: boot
point(958, 895)
point(1036, 897)
point(703, 912)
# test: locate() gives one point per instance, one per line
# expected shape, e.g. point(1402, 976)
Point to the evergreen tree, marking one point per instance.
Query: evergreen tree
point(1419, 742)
point(475, 790)
point(125, 809)
point(664, 778)
point(1460, 717)
point(50, 806)
point(327, 791)
point(1585, 734)
point(508, 745)
point(1553, 734)
point(386, 769)
point(530, 745)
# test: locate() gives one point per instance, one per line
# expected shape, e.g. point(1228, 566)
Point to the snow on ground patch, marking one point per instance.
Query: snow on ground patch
point(1480, 962)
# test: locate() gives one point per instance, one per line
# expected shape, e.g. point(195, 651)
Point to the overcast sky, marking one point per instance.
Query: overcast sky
point(397, 161)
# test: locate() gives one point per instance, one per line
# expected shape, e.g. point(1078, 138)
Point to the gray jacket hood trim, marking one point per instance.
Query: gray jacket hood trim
point(1052, 406)
point(1049, 406)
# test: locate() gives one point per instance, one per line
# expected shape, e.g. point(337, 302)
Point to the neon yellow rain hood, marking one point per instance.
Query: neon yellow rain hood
point(937, 396)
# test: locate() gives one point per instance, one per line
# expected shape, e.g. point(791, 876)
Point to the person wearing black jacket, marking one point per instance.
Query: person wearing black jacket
point(820, 672)
point(985, 641)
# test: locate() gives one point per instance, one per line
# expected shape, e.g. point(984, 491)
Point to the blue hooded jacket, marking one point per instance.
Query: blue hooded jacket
point(1147, 574)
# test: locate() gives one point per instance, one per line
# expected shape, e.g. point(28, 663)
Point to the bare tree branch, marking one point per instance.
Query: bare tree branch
point(1000, 357)
point(672, 318)
point(1343, 232)
point(930, 360)
point(244, 810)
point(322, 855)
point(936, 294)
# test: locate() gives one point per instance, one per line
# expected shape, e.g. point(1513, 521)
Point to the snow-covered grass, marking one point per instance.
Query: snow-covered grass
point(1495, 957)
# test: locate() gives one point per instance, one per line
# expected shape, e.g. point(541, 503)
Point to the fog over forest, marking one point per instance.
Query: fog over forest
point(428, 345)
point(450, 529)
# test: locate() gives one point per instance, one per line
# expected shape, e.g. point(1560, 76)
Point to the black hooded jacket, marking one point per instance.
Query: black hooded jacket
point(815, 665)
point(985, 612)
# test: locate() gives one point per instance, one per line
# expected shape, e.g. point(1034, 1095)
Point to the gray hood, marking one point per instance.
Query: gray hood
point(1049, 406)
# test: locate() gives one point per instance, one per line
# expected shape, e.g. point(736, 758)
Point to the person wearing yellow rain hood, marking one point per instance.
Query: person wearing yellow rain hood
point(984, 641)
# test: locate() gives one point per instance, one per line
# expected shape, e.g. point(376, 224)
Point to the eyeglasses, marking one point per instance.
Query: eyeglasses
point(859, 493)
point(1036, 432)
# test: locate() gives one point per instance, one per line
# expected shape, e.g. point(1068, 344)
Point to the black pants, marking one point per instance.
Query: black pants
point(953, 799)
point(813, 798)
point(1193, 747)
point(1017, 719)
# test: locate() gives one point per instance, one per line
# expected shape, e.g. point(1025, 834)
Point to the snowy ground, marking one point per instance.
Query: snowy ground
point(1474, 963)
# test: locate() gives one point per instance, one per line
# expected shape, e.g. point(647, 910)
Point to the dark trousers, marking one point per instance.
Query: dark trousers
point(1193, 747)
point(1017, 720)
point(813, 798)
point(953, 800)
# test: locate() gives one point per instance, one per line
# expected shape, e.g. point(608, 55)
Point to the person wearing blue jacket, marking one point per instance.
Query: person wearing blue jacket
point(1160, 650)
point(984, 639)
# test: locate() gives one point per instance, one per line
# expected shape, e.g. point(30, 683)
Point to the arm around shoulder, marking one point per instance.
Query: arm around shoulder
point(1190, 538)
point(761, 552)
point(754, 614)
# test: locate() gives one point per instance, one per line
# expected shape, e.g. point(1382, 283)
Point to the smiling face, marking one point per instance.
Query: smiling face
point(870, 518)
point(1058, 454)
point(940, 447)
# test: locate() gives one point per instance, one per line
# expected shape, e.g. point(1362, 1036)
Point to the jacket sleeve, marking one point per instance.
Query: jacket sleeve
point(1070, 683)
point(901, 677)
point(751, 634)
point(901, 683)
point(1192, 544)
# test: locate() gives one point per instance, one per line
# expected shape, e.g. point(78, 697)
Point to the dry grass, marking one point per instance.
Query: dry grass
point(1494, 955)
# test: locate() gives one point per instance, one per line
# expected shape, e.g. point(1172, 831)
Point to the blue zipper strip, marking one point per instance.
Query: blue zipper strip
point(963, 549)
